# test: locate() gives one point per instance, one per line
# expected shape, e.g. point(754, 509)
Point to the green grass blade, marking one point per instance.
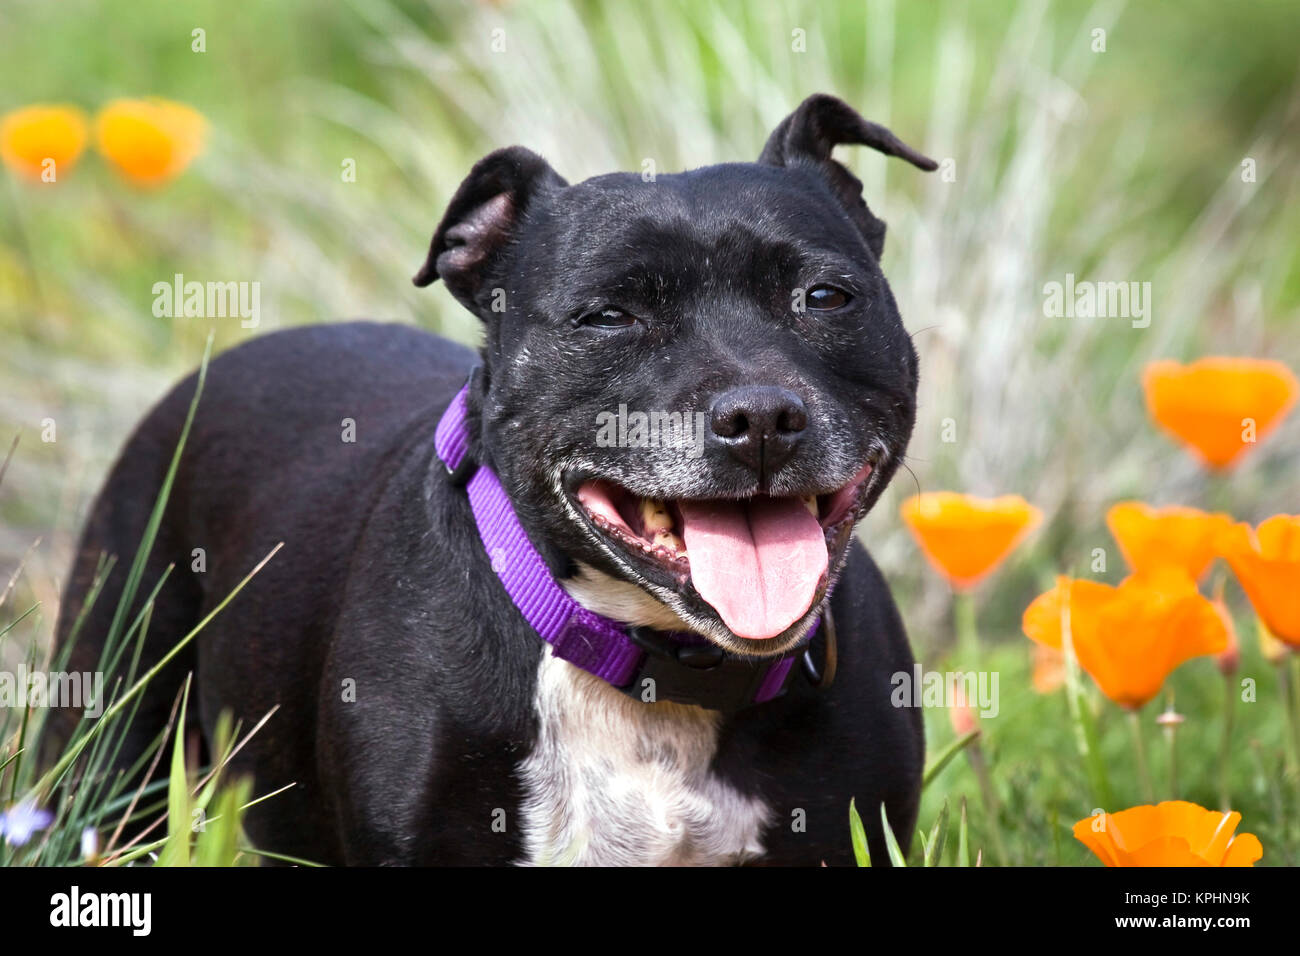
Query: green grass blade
point(102, 571)
point(938, 836)
point(281, 857)
point(859, 835)
point(1085, 728)
point(963, 843)
point(891, 843)
point(8, 760)
point(268, 796)
point(18, 620)
point(218, 842)
point(22, 737)
point(223, 744)
point(136, 852)
point(136, 571)
point(69, 755)
point(176, 851)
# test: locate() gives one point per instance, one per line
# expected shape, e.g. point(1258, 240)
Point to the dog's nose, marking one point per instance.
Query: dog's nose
point(759, 424)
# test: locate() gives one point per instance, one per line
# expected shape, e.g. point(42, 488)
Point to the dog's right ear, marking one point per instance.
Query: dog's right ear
point(481, 220)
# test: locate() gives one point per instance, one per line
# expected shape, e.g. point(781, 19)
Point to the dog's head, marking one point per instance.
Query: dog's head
point(694, 384)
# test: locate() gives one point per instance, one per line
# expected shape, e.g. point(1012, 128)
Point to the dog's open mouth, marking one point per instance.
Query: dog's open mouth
point(760, 562)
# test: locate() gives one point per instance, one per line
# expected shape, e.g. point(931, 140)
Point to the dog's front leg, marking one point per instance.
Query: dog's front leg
point(378, 759)
point(418, 777)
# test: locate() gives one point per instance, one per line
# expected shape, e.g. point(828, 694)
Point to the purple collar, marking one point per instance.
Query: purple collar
point(644, 664)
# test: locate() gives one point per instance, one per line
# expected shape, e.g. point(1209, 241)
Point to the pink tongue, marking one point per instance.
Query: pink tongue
point(758, 563)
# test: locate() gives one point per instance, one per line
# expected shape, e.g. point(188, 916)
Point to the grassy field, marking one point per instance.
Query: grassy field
point(1122, 164)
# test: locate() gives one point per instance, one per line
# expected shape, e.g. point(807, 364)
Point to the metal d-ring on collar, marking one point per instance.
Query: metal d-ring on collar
point(823, 678)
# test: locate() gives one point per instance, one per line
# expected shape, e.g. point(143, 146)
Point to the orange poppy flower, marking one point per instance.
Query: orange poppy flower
point(33, 138)
point(965, 537)
point(1267, 563)
point(1216, 403)
point(150, 141)
point(1150, 537)
point(1172, 833)
point(1131, 637)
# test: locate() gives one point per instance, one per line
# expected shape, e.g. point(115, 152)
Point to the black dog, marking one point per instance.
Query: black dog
point(421, 717)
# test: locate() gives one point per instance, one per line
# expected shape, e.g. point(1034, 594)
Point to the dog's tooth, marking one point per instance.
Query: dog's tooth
point(654, 515)
point(811, 504)
point(666, 539)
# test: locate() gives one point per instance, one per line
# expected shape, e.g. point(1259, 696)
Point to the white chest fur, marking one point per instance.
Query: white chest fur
point(615, 782)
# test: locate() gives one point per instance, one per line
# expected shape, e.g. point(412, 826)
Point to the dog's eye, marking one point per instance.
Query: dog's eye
point(826, 297)
point(610, 318)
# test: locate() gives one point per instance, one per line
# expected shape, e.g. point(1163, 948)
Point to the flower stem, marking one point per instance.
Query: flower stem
point(1269, 782)
point(1218, 490)
point(1171, 737)
point(1225, 747)
point(975, 754)
point(968, 644)
point(1291, 723)
point(1293, 662)
point(1140, 753)
point(1081, 716)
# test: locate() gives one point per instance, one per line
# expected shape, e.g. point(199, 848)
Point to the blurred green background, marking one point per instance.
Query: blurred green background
point(1115, 165)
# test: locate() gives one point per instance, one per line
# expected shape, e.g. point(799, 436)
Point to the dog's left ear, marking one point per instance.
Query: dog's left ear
point(805, 139)
point(481, 220)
